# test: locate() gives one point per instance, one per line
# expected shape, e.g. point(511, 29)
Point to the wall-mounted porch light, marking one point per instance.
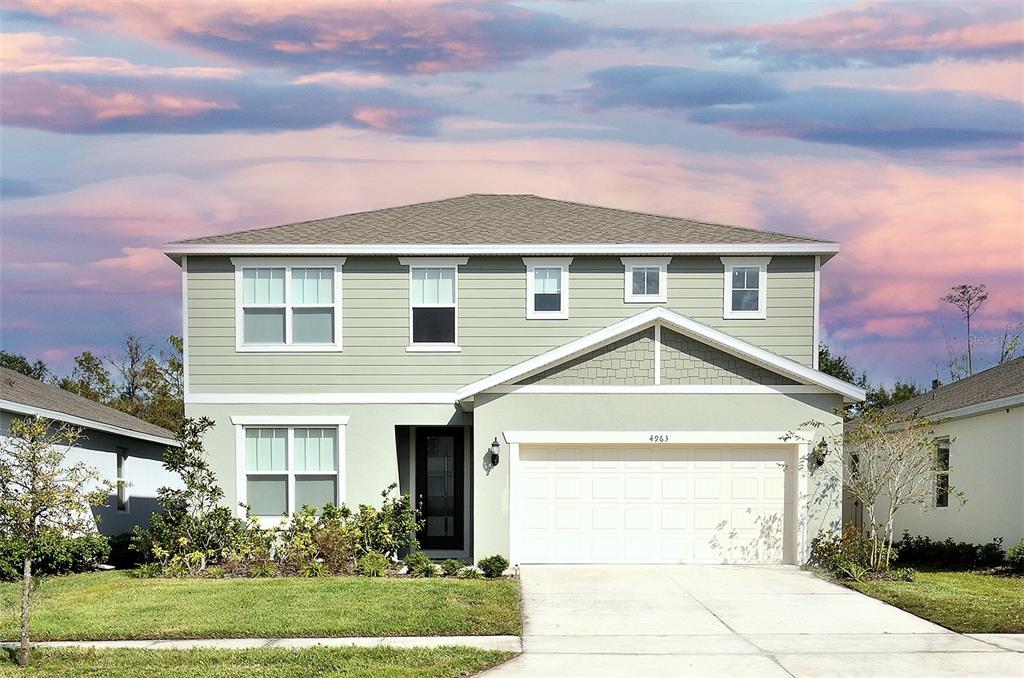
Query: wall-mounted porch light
point(495, 449)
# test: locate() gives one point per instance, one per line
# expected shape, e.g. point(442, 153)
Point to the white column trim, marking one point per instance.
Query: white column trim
point(657, 354)
point(815, 339)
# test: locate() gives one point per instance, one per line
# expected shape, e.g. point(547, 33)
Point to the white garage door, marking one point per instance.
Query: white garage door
point(596, 504)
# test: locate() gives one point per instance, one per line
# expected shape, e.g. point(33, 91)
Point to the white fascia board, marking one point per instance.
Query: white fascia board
point(20, 408)
point(981, 408)
point(176, 250)
point(677, 322)
point(659, 389)
point(369, 398)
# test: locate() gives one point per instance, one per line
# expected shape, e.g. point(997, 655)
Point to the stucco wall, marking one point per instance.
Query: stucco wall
point(143, 470)
point(495, 414)
point(986, 460)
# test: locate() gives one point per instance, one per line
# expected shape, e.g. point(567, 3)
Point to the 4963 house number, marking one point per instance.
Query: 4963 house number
point(658, 438)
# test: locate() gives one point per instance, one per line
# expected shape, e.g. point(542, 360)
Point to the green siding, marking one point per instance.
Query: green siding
point(687, 361)
point(493, 330)
point(626, 362)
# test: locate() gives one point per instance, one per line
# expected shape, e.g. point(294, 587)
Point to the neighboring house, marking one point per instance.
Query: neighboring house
point(125, 450)
point(552, 381)
point(980, 433)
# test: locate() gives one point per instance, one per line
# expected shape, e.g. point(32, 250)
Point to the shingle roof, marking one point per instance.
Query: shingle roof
point(994, 383)
point(501, 219)
point(17, 388)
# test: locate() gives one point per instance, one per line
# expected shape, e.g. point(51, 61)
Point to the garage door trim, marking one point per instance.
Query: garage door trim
point(798, 442)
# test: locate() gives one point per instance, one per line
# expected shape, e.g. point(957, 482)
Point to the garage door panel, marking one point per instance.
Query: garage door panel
point(653, 504)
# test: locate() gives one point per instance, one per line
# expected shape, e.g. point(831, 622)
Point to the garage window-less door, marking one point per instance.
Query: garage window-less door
point(654, 504)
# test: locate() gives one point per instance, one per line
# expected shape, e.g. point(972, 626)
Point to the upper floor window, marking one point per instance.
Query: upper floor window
point(942, 473)
point(746, 287)
point(288, 305)
point(547, 287)
point(646, 279)
point(433, 303)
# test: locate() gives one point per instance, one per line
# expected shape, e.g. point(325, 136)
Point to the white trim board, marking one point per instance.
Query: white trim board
point(665, 389)
point(643, 437)
point(368, 398)
point(264, 420)
point(979, 408)
point(20, 408)
point(827, 249)
point(678, 323)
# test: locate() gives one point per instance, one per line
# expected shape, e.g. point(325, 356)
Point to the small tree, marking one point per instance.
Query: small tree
point(194, 526)
point(887, 458)
point(40, 491)
point(967, 298)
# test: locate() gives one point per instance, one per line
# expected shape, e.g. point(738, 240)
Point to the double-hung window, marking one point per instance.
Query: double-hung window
point(746, 287)
point(942, 473)
point(288, 305)
point(646, 279)
point(286, 465)
point(433, 303)
point(547, 288)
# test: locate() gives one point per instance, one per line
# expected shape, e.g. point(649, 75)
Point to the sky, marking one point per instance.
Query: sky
point(895, 129)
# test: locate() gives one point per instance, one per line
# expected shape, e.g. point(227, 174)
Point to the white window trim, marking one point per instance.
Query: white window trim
point(122, 481)
point(948, 444)
point(289, 423)
point(434, 262)
point(562, 263)
point(762, 283)
point(629, 263)
point(287, 264)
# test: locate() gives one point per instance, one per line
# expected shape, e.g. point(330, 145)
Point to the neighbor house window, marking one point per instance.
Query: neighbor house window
point(547, 288)
point(288, 305)
point(287, 467)
point(646, 279)
point(942, 474)
point(746, 282)
point(433, 304)
point(122, 480)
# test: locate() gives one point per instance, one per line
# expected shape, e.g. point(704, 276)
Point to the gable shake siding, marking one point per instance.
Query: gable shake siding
point(626, 362)
point(493, 331)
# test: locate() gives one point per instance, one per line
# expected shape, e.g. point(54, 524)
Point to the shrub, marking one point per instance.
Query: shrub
point(54, 554)
point(216, 572)
point(451, 567)
point(264, 569)
point(313, 569)
point(145, 571)
point(388, 529)
point(902, 574)
point(846, 555)
point(1015, 556)
point(419, 564)
point(922, 551)
point(123, 554)
point(373, 564)
point(470, 573)
point(493, 566)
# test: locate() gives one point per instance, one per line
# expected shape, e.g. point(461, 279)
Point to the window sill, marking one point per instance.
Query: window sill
point(433, 348)
point(646, 300)
point(745, 315)
point(289, 348)
point(543, 315)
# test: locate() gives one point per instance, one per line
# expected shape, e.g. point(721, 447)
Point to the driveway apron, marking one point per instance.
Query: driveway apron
point(729, 620)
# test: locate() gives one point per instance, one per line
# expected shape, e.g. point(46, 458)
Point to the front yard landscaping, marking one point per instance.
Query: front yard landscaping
point(112, 605)
point(967, 602)
point(446, 662)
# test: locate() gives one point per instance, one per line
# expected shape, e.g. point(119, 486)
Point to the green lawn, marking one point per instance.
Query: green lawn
point(111, 605)
point(967, 602)
point(320, 661)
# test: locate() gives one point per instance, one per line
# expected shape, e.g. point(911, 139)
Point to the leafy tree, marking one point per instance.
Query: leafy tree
point(90, 379)
point(163, 384)
point(887, 461)
point(194, 526)
point(39, 491)
point(19, 363)
point(967, 298)
point(878, 398)
point(838, 366)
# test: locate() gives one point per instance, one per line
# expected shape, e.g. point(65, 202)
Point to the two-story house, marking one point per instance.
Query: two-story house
point(552, 381)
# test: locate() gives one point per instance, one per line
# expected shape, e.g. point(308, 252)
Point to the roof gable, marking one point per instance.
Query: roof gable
point(496, 220)
point(678, 323)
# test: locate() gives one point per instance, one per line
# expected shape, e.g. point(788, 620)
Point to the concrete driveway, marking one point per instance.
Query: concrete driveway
point(691, 620)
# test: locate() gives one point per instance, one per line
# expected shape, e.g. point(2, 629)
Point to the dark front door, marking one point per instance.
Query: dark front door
point(439, 496)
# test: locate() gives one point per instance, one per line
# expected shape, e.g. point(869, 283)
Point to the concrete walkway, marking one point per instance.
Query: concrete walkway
point(679, 620)
point(504, 643)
